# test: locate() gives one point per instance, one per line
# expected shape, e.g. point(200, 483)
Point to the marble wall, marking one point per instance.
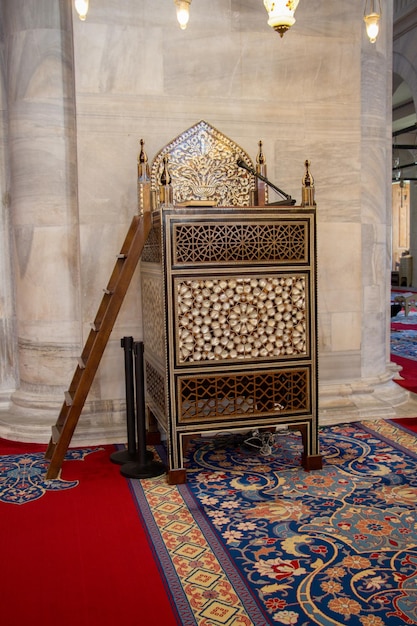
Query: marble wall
point(80, 97)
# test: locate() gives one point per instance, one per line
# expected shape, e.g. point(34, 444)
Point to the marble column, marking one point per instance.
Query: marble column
point(44, 208)
point(43, 204)
point(8, 351)
point(360, 357)
point(376, 131)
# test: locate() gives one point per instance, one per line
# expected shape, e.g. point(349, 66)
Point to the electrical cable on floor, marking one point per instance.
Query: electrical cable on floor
point(263, 442)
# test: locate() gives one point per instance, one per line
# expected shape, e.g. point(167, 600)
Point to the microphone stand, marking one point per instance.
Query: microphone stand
point(288, 200)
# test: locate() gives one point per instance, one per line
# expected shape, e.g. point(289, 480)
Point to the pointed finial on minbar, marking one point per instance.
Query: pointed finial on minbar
point(307, 190)
point(261, 191)
point(144, 181)
point(166, 193)
point(260, 159)
point(143, 167)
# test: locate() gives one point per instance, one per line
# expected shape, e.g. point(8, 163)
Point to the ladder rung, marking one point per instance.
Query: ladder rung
point(81, 363)
point(121, 256)
point(68, 398)
point(56, 433)
point(108, 291)
point(95, 326)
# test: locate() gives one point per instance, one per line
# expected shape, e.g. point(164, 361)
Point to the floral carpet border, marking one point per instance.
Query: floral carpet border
point(203, 583)
point(392, 433)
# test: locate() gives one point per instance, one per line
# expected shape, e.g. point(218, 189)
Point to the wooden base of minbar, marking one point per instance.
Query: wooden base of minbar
point(177, 476)
point(309, 463)
point(312, 462)
point(153, 438)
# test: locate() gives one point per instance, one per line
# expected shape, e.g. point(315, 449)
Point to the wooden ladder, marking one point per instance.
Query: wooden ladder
point(95, 345)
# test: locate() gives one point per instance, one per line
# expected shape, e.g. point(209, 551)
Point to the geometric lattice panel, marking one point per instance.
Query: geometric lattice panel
point(155, 387)
point(241, 318)
point(246, 243)
point(153, 315)
point(152, 251)
point(207, 398)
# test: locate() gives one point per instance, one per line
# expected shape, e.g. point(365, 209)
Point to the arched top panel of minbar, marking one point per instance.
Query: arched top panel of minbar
point(203, 167)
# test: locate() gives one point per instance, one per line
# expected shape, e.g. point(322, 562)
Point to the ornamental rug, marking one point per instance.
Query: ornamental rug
point(401, 318)
point(404, 343)
point(256, 540)
point(23, 476)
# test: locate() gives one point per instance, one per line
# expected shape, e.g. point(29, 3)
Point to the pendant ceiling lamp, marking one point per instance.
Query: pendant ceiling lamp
point(371, 17)
point(281, 14)
point(183, 12)
point(81, 6)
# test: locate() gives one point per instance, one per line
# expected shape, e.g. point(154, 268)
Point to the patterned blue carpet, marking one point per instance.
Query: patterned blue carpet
point(401, 318)
point(404, 343)
point(257, 540)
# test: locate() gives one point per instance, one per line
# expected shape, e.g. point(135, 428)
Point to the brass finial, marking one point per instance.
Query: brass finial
point(142, 154)
point(144, 181)
point(166, 194)
point(165, 176)
point(307, 191)
point(261, 188)
point(143, 167)
point(308, 178)
point(260, 159)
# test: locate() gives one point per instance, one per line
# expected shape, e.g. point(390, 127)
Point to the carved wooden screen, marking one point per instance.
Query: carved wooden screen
point(203, 166)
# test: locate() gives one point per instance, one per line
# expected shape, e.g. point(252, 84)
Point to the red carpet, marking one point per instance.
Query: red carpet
point(408, 373)
point(408, 423)
point(409, 366)
point(79, 557)
point(400, 326)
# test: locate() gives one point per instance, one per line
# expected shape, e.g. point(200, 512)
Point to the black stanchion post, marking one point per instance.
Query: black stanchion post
point(130, 454)
point(140, 402)
point(144, 467)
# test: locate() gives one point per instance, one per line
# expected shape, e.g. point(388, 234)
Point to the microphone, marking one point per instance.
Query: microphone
point(241, 163)
point(288, 200)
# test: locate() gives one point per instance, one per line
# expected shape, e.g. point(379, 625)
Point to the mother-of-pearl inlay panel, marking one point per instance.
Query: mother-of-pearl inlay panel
point(238, 318)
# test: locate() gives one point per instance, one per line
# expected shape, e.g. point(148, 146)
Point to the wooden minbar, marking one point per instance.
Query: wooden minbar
point(229, 301)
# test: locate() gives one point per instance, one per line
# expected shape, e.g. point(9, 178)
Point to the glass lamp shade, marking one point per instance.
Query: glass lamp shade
point(281, 14)
point(371, 16)
point(372, 26)
point(81, 6)
point(183, 12)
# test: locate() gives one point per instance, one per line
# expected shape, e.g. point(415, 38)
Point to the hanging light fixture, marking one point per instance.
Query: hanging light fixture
point(183, 12)
point(371, 18)
point(281, 14)
point(81, 6)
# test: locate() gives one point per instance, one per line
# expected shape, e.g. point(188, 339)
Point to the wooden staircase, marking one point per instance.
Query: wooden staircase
point(95, 345)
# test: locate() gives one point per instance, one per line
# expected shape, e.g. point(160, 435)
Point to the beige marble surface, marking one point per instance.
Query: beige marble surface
point(322, 93)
